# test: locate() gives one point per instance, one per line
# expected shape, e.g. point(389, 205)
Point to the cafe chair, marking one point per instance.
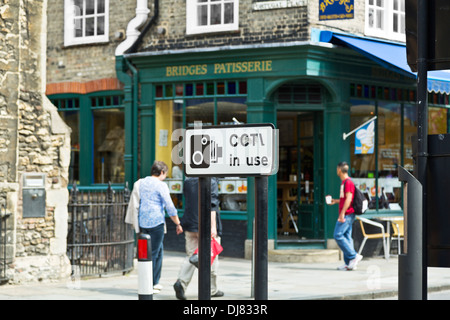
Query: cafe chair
point(398, 232)
point(383, 235)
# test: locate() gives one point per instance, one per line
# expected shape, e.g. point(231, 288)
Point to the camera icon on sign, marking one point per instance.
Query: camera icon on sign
point(204, 151)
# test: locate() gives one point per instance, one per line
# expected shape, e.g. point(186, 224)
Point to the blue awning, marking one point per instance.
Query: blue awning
point(390, 55)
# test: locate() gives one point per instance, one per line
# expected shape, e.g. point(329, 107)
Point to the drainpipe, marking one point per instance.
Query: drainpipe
point(133, 39)
point(146, 28)
point(134, 116)
point(132, 33)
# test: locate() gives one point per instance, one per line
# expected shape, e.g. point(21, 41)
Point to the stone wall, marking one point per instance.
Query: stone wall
point(33, 138)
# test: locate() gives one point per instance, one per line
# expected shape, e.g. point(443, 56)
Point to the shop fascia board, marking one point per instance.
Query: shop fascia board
point(210, 54)
point(313, 60)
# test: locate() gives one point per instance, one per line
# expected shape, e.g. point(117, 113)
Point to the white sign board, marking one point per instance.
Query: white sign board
point(237, 150)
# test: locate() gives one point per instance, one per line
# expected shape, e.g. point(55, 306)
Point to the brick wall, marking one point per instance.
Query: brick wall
point(83, 63)
point(264, 26)
point(255, 25)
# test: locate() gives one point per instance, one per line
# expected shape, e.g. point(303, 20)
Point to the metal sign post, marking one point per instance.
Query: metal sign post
point(237, 150)
point(422, 127)
point(204, 241)
point(261, 237)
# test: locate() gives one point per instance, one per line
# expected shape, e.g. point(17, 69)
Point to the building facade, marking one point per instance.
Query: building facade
point(304, 65)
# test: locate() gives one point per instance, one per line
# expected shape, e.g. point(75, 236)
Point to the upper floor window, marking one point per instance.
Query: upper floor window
point(386, 19)
point(203, 16)
point(85, 21)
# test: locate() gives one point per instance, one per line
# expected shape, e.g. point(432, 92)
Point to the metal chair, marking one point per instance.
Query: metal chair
point(383, 235)
point(398, 232)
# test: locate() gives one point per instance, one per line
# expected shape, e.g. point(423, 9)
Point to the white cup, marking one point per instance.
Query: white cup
point(328, 199)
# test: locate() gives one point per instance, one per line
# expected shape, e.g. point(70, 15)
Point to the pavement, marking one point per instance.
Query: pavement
point(375, 278)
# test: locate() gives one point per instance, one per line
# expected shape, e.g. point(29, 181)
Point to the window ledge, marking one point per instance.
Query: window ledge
point(97, 41)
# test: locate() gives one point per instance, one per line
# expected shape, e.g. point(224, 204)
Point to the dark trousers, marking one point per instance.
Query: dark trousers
point(157, 237)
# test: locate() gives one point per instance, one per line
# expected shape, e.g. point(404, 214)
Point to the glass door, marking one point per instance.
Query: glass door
point(310, 142)
point(300, 177)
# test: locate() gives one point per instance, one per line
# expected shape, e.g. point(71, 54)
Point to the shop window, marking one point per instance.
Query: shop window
point(86, 21)
point(376, 151)
point(210, 89)
point(200, 110)
point(69, 111)
point(171, 115)
point(229, 108)
point(409, 130)
point(298, 93)
point(72, 119)
point(159, 91)
point(179, 90)
point(437, 120)
point(231, 87)
point(201, 89)
point(168, 118)
point(108, 146)
point(189, 90)
point(204, 16)
point(362, 149)
point(242, 87)
point(389, 155)
point(363, 153)
point(386, 19)
point(211, 103)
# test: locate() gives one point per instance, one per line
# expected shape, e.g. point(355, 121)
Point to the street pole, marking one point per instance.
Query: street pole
point(261, 238)
point(204, 241)
point(410, 262)
point(422, 126)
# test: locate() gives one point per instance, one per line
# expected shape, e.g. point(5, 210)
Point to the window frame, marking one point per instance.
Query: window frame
point(69, 25)
point(192, 27)
point(85, 106)
point(387, 31)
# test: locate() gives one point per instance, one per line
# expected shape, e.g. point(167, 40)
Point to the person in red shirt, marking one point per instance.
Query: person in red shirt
point(344, 224)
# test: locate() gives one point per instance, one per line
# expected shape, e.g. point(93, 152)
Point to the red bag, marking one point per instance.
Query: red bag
point(216, 249)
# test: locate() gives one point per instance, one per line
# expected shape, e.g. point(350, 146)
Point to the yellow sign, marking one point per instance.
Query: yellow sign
point(219, 68)
point(192, 70)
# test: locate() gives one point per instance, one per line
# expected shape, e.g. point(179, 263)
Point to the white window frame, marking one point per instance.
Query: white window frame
point(70, 25)
point(387, 16)
point(192, 26)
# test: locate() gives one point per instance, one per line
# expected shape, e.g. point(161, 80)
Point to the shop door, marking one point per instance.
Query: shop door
point(300, 177)
point(310, 163)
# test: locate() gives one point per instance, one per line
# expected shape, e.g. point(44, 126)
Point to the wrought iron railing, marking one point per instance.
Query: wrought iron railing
point(98, 240)
point(4, 239)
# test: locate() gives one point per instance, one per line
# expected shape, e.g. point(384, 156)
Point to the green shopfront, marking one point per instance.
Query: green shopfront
point(312, 92)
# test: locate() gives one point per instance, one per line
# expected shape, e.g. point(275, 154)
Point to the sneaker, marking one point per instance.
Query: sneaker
point(179, 291)
point(218, 294)
point(343, 267)
point(354, 262)
point(157, 288)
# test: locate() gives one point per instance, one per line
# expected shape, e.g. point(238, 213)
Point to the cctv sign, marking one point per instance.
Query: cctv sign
point(237, 150)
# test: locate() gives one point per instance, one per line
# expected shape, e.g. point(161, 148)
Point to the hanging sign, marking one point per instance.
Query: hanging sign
point(365, 139)
point(336, 9)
